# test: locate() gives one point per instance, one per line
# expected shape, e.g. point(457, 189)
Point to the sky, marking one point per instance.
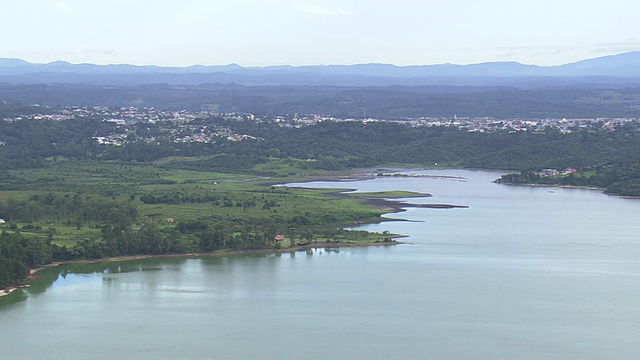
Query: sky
point(314, 32)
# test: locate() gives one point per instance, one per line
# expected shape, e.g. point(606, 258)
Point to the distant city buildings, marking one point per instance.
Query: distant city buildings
point(149, 125)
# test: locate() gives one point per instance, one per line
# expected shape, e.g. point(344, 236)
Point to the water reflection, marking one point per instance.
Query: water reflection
point(177, 271)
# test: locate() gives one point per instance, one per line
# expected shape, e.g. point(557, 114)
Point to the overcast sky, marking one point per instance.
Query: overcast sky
point(308, 32)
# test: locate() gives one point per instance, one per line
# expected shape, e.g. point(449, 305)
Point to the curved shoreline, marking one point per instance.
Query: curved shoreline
point(387, 205)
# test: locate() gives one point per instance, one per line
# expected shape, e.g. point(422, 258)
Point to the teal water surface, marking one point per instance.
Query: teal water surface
point(522, 273)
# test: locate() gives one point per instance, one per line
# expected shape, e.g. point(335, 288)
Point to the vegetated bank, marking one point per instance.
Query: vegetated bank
point(110, 210)
point(621, 180)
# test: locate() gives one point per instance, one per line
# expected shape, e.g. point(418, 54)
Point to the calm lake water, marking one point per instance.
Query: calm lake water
point(523, 273)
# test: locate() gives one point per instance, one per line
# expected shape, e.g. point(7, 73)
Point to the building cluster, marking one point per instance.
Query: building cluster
point(122, 115)
point(171, 131)
point(554, 172)
point(147, 125)
point(492, 125)
point(183, 126)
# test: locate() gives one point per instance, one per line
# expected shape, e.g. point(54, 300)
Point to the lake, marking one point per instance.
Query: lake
point(522, 273)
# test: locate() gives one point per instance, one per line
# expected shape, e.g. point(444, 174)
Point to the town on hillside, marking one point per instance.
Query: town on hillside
point(183, 126)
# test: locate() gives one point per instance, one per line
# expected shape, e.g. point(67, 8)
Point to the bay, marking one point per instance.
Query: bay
point(522, 273)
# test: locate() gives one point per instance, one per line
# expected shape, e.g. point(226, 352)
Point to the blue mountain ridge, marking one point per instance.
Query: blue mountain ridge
point(621, 66)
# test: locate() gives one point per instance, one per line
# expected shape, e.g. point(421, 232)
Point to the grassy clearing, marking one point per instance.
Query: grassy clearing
point(59, 233)
point(288, 167)
point(182, 176)
point(313, 206)
point(18, 194)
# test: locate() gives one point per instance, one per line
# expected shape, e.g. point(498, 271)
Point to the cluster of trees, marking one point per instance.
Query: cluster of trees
point(223, 159)
point(19, 251)
point(14, 259)
point(177, 198)
point(28, 143)
point(78, 208)
point(222, 199)
point(18, 254)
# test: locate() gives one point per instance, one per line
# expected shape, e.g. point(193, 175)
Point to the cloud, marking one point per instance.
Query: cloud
point(630, 41)
point(509, 54)
point(604, 48)
point(62, 6)
point(99, 51)
point(323, 10)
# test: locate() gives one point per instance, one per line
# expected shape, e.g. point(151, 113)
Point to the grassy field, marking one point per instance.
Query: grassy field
point(60, 234)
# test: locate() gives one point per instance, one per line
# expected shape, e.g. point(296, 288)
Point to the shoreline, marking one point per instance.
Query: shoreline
point(557, 186)
point(389, 206)
point(602, 190)
point(219, 253)
point(367, 174)
point(386, 205)
point(222, 253)
point(7, 291)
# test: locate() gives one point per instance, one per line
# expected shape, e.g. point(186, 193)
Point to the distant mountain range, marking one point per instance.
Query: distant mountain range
point(621, 70)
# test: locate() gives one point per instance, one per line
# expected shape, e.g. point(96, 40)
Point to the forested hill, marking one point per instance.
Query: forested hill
point(330, 144)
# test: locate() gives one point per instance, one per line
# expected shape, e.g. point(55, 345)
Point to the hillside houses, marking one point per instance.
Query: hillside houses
point(554, 172)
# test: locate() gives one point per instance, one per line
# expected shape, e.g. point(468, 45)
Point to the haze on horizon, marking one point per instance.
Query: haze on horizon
point(312, 32)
